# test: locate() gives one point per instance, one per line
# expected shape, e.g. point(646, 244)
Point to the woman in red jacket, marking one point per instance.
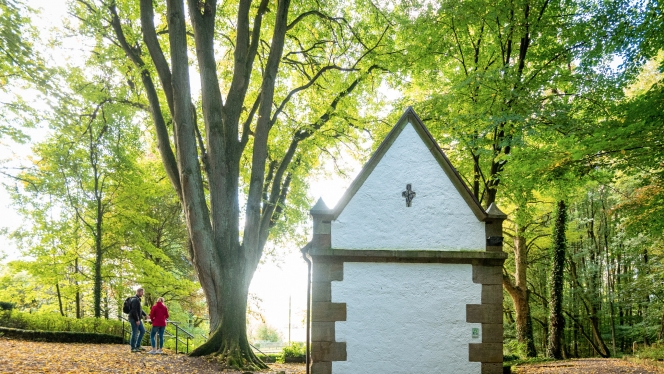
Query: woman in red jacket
point(158, 315)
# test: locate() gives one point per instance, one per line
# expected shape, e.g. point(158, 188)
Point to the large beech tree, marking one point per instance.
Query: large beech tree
point(278, 84)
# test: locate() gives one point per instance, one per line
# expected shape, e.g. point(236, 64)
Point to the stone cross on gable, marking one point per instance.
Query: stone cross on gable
point(409, 194)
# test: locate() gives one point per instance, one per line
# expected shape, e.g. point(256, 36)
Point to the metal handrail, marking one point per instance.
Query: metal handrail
point(177, 324)
point(177, 340)
point(254, 347)
point(188, 335)
point(177, 330)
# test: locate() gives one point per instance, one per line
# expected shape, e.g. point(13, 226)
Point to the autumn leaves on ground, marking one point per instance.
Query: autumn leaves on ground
point(18, 356)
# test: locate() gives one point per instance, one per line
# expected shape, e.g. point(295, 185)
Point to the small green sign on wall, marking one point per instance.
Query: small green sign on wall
point(476, 332)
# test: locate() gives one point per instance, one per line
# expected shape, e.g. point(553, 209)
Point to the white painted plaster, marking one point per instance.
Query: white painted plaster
point(376, 217)
point(405, 318)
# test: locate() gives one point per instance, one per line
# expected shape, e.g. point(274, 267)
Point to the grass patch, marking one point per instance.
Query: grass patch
point(654, 352)
point(514, 361)
point(651, 356)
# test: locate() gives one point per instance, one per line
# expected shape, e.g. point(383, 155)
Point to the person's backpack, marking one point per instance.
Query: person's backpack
point(126, 307)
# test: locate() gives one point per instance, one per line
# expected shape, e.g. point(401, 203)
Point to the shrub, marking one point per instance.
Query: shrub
point(6, 306)
point(514, 349)
point(60, 336)
point(267, 333)
point(296, 352)
point(56, 322)
point(653, 352)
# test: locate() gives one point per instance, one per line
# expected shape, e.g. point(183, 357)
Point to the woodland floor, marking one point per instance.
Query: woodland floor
point(17, 356)
point(588, 365)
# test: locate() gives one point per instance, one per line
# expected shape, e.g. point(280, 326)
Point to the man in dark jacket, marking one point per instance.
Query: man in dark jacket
point(136, 313)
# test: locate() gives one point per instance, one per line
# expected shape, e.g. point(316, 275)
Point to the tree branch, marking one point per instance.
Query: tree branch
point(163, 140)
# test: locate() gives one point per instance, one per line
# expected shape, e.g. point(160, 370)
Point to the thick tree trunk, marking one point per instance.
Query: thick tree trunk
point(518, 291)
point(556, 319)
point(229, 339)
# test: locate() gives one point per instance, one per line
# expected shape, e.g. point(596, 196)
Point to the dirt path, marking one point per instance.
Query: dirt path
point(586, 365)
point(18, 356)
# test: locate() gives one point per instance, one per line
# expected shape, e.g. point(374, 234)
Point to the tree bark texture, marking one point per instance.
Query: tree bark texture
point(518, 291)
point(556, 319)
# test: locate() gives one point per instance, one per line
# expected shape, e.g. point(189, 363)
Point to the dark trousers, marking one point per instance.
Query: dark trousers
point(157, 330)
point(137, 333)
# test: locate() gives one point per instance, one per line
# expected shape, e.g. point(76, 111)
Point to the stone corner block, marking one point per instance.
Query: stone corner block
point(322, 227)
point(321, 291)
point(327, 272)
point(484, 313)
point(485, 352)
point(492, 333)
point(322, 241)
point(321, 368)
point(328, 351)
point(488, 274)
point(492, 294)
point(492, 368)
point(322, 311)
point(323, 331)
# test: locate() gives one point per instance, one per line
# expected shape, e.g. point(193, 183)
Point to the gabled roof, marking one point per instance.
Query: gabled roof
point(411, 117)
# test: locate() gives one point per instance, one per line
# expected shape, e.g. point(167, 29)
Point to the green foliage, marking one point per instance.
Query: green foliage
point(55, 322)
point(294, 350)
point(654, 352)
point(514, 350)
point(102, 217)
point(264, 332)
point(22, 69)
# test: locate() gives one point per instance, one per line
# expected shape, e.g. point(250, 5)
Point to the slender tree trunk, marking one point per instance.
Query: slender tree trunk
point(97, 230)
point(57, 289)
point(97, 283)
point(106, 308)
point(518, 291)
point(556, 319)
point(78, 291)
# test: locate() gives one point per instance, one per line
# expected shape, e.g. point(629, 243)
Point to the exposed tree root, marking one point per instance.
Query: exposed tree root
point(236, 355)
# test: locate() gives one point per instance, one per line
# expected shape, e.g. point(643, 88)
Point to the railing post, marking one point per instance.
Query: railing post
point(176, 339)
point(123, 332)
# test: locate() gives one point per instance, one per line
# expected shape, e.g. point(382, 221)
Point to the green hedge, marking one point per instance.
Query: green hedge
point(6, 306)
point(296, 352)
point(60, 336)
point(56, 322)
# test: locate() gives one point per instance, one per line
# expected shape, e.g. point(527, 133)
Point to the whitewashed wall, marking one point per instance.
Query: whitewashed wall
point(377, 217)
point(406, 318)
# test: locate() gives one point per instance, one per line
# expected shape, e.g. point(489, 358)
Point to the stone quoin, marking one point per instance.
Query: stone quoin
point(406, 270)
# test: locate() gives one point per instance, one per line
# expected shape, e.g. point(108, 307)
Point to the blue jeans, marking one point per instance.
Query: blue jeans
point(157, 330)
point(137, 333)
